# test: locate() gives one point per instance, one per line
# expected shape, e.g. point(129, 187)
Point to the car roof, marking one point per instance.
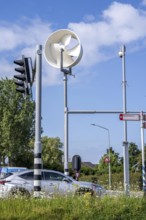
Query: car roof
point(32, 170)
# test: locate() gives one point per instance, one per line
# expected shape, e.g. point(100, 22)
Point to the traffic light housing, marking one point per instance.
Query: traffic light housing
point(23, 80)
point(76, 162)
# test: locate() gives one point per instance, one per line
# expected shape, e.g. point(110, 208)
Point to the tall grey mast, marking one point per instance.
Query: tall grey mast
point(125, 142)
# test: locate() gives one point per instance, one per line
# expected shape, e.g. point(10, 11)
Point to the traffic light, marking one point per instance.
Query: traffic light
point(23, 80)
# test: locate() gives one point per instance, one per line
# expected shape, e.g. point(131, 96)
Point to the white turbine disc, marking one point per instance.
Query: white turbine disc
point(69, 42)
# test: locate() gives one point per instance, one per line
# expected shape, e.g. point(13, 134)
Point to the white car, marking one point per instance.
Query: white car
point(53, 182)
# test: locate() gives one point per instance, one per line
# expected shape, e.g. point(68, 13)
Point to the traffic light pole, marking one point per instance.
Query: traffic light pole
point(38, 147)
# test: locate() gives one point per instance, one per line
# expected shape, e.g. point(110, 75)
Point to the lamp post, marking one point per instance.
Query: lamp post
point(109, 164)
point(125, 142)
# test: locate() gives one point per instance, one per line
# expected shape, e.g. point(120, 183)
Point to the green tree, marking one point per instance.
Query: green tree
point(16, 125)
point(134, 156)
point(52, 153)
point(115, 161)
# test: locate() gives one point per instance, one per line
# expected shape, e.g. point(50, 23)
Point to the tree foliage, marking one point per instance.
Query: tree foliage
point(134, 156)
point(115, 162)
point(52, 153)
point(16, 124)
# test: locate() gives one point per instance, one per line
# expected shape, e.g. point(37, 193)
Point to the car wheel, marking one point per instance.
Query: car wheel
point(19, 192)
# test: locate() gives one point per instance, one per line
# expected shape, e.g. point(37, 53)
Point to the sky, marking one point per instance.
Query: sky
point(102, 26)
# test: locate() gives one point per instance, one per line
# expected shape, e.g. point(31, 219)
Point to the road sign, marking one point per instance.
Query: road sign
point(129, 117)
point(107, 160)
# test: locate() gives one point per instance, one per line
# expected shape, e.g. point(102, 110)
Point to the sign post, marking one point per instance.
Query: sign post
point(143, 125)
point(138, 117)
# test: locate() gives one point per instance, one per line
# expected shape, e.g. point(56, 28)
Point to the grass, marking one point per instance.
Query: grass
point(74, 208)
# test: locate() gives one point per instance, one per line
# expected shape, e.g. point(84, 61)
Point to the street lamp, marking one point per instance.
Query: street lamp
point(109, 164)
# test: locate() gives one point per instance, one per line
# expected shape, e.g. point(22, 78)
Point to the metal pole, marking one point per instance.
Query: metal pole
point(38, 147)
point(100, 112)
point(109, 164)
point(143, 155)
point(125, 142)
point(66, 170)
point(66, 72)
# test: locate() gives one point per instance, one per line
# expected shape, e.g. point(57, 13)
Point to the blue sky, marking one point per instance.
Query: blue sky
point(102, 26)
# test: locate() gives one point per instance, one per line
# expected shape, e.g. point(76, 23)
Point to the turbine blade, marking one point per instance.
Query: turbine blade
point(66, 39)
point(75, 51)
point(55, 50)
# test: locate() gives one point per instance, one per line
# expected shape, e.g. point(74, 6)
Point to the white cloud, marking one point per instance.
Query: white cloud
point(22, 38)
point(5, 68)
point(51, 75)
point(120, 23)
point(126, 22)
point(25, 33)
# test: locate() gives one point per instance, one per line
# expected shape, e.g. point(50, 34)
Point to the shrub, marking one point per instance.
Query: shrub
point(117, 180)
